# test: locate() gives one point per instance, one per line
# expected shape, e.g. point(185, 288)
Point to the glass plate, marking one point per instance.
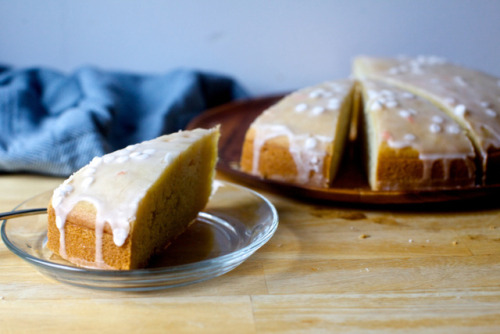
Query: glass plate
point(236, 222)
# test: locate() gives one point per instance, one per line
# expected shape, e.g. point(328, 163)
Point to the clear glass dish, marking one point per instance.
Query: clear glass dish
point(236, 222)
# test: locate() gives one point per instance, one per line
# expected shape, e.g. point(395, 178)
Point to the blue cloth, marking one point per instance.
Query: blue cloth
point(51, 123)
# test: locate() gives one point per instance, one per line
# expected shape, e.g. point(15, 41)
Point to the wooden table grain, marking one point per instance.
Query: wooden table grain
point(329, 268)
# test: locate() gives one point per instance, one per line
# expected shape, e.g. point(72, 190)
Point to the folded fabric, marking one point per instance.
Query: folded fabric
point(54, 124)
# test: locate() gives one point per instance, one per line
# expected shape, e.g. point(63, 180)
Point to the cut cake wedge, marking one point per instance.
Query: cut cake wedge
point(301, 138)
point(122, 208)
point(411, 144)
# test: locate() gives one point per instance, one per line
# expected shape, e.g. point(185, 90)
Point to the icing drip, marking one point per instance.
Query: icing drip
point(307, 150)
point(430, 159)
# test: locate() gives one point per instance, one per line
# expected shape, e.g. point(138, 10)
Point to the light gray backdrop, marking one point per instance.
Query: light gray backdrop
point(268, 45)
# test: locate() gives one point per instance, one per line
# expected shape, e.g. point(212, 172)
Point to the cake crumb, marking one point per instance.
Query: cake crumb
point(492, 227)
point(234, 165)
point(454, 243)
point(363, 236)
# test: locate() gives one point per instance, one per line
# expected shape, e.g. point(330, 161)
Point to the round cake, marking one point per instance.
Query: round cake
point(425, 123)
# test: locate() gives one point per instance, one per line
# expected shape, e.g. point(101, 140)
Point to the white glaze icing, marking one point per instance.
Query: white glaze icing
point(116, 183)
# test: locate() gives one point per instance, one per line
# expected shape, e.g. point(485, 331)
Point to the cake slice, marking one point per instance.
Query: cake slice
point(470, 97)
point(301, 138)
point(411, 144)
point(122, 208)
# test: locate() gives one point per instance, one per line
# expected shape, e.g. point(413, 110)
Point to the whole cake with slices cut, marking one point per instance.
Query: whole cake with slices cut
point(123, 207)
point(426, 124)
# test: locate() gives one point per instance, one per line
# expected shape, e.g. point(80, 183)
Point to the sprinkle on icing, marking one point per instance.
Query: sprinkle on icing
point(437, 119)
point(122, 159)
point(434, 128)
point(460, 110)
point(491, 112)
point(169, 157)
point(453, 129)
point(301, 107)
point(310, 143)
point(130, 147)
point(391, 104)
point(333, 104)
point(372, 94)
point(317, 110)
point(408, 95)
point(319, 93)
point(404, 113)
point(376, 105)
point(409, 137)
point(415, 66)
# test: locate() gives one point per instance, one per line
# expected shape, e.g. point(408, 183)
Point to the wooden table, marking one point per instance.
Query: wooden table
point(327, 269)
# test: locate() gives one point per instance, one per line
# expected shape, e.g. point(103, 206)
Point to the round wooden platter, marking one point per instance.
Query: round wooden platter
point(350, 184)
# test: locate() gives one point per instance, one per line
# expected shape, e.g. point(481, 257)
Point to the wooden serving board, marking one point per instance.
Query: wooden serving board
point(350, 185)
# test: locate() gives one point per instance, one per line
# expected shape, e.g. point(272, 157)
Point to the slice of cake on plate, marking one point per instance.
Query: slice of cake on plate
point(122, 208)
point(301, 138)
point(411, 144)
point(470, 97)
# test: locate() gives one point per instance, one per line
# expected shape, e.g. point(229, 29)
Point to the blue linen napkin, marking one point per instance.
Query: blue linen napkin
point(51, 123)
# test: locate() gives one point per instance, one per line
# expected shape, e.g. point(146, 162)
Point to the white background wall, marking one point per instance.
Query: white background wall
point(267, 45)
